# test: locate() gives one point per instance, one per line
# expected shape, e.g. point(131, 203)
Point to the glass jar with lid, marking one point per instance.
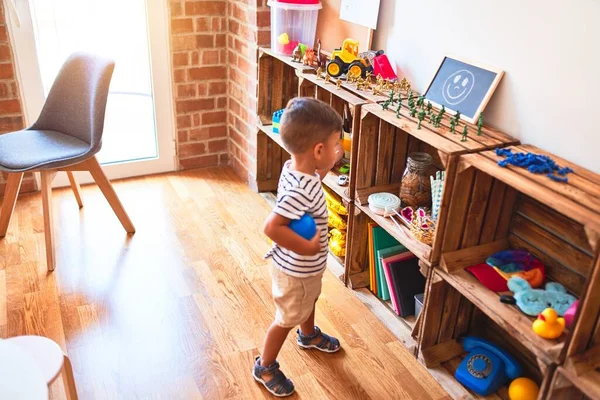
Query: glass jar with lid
point(416, 185)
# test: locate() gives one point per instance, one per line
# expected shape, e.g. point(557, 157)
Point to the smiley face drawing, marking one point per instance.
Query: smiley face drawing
point(458, 86)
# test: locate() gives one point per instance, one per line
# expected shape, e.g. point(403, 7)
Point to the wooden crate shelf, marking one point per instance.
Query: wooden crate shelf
point(384, 144)
point(277, 82)
point(492, 209)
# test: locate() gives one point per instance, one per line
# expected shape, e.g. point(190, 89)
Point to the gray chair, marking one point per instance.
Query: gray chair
point(66, 137)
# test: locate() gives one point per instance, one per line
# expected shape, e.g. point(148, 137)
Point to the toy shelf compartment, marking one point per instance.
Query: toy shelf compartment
point(277, 82)
point(443, 323)
point(492, 209)
point(384, 145)
point(270, 157)
point(339, 99)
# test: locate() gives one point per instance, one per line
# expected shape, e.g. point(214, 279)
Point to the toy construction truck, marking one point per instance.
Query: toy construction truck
point(347, 60)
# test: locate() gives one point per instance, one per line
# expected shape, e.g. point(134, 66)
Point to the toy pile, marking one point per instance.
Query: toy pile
point(337, 223)
point(535, 163)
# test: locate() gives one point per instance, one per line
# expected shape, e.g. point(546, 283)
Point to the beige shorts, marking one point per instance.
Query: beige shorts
point(294, 297)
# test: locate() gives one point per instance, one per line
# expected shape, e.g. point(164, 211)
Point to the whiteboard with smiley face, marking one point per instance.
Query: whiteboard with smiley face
point(463, 86)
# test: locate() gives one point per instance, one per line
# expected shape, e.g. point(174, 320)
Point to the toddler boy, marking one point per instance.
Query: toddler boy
point(310, 130)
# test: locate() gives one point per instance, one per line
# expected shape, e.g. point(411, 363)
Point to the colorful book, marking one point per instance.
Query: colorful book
point(381, 240)
point(408, 281)
point(388, 276)
point(372, 277)
point(383, 286)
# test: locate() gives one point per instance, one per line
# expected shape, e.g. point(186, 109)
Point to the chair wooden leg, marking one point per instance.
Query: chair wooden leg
point(110, 194)
point(76, 188)
point(11, 192)
point(47, 177)
point(69, 379)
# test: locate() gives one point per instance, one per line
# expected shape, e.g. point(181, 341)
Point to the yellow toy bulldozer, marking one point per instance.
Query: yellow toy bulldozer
point(346, 60)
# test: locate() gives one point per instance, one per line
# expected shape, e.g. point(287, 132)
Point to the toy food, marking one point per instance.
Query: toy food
point(333, 203)
point(337, 242)
point(335, 221)
point(534, 301)
point(549, 325)
point(305, 226)
point(523, 389)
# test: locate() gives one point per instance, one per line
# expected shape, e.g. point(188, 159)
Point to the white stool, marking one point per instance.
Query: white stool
point(50, 359)
point(20, 376)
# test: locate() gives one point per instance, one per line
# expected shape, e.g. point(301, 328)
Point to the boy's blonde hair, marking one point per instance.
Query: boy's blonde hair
point(307, 122)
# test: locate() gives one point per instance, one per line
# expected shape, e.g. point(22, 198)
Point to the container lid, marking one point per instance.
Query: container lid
point(303, 5)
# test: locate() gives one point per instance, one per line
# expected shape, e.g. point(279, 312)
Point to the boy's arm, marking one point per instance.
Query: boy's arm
point(277, 229)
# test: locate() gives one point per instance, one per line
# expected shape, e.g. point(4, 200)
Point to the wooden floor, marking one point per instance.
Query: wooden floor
point(179, 310)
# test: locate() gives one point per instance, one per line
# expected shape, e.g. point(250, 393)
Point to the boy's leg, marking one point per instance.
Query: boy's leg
point(308, 327)
point(275, 338)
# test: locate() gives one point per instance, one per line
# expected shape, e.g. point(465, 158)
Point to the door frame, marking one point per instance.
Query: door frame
point(20, 27)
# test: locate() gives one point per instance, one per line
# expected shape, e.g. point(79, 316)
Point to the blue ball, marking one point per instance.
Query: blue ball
point(305, 226)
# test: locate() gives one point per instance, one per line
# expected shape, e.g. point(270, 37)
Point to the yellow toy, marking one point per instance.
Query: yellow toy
point(283, 38)
point(337, 242)
point(523, 389)
point(335, 221)
point(346, 60)
point(549, 325)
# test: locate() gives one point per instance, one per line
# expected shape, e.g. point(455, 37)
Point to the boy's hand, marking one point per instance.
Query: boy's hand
point(277, 229)
point(315, 243)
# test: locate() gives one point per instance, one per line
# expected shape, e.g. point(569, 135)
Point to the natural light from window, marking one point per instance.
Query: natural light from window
point(113, 28)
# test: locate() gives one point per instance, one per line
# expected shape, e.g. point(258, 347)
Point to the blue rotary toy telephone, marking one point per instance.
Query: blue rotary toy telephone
point(486, 368)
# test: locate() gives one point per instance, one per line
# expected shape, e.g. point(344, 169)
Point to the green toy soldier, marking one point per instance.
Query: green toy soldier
point(429, 107)
point(411, 103)
point(479, 124)
point(410, 95)
point(398, 109)
point(386, 104)
point(421, 118)
point(464, 134)
point(457, 116)
point(413, 112)
point(442, 112)
point(452, 125)
point(420, 101)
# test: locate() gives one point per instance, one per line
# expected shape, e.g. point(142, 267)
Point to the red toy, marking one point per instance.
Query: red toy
point(382, 66)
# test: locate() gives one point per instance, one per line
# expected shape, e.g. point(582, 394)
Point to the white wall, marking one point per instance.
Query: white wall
point(549, 50)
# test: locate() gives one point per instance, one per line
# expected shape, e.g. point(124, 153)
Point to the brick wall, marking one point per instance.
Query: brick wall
point(11, 111)
point(199, 56)
point(249, 22)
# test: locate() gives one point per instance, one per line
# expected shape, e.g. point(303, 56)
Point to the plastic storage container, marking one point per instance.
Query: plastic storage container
point(418, 303)
point(293, 22)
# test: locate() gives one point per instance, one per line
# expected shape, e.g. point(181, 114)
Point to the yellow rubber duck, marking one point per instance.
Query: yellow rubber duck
point(549, 325)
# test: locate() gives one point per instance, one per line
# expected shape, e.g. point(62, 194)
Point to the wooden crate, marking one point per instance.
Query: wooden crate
point(384, 144)
point(271, 153)
point(582, 365)
point(492, 209)
point(277, 82)
point(569, 386)
point(270, 157)
point(311, 86)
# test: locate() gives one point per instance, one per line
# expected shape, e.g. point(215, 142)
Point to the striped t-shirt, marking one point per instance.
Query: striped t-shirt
point(300, 193)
